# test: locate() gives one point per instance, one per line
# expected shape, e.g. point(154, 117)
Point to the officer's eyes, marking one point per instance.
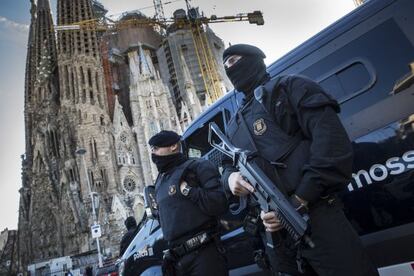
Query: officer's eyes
point(231, 61)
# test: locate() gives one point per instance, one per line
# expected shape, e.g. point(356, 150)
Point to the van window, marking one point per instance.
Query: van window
point(348, 80)
point(198, 145)
point(192, 152)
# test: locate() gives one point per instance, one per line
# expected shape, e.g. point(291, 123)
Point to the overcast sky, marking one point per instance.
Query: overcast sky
point(288, 23)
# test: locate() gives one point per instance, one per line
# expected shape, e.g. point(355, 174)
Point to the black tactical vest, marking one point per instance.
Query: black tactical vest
point(179, 215)
point(280, 155)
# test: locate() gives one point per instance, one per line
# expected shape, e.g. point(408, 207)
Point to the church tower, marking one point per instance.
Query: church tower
point(130, 171)
point(190, 105)
point(151, 106)
point(40, 220)
point(84, 113)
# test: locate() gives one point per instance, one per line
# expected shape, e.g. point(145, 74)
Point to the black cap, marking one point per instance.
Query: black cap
point(243, 50)
point(164, 138)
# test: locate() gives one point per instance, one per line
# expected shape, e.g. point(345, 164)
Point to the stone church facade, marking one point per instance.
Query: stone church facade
point(69, 105)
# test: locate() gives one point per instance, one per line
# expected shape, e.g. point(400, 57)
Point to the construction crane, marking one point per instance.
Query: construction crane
point(359, 2)
point(205, 57)
point(206, 60)
point(193, 20)
point(255, 17)
point(159, 14)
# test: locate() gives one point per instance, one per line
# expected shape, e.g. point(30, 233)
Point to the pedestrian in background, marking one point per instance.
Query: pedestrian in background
point(131, 226)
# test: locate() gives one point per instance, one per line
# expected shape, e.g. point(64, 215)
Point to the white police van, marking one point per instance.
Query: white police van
point(366, 61)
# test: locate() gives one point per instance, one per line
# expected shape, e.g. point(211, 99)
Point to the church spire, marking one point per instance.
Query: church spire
point(44, 34)
point(146, 64)
point(77, 42)
point(41, 57)
point(192, 103)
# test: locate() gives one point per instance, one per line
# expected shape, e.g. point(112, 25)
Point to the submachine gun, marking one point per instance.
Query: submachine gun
point(266, 194)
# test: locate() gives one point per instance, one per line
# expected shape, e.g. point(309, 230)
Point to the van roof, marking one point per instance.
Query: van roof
point(328, 34)
point(340, 26)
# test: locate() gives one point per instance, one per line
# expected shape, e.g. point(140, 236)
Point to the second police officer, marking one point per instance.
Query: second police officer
point(292, 126)
point(190, 198)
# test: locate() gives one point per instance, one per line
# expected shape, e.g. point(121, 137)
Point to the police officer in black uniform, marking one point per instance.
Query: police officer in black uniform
point(190, 197)
point(292, 126)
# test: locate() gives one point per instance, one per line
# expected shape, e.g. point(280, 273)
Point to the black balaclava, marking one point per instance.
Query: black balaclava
point(166, 138)
point(165, 163)
point(250, 71)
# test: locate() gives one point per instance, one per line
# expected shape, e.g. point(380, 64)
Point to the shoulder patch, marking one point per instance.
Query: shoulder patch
point(259, 126)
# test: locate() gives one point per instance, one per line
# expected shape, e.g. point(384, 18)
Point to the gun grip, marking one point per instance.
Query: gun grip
point(273, 239)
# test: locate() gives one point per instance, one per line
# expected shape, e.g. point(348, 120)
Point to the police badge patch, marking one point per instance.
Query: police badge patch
point(172, 190)
point(259, 126)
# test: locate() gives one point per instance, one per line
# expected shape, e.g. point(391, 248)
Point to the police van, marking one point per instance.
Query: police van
point(366, 62)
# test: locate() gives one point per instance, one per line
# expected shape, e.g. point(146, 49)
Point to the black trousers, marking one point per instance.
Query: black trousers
point(338, 250)
point(205, 261)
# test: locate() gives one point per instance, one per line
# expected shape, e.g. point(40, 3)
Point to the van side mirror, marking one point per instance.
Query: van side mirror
point(150, 204)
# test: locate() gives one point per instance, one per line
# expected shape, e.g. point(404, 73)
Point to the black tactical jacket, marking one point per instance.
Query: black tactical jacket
point(292, 125)
point(126, 240)
point(183, 216)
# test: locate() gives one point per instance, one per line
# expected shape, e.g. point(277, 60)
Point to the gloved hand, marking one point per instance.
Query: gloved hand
point(238, 186)
point(270, 221)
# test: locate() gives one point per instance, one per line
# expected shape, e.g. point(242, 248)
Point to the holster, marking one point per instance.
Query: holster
point(168, 262)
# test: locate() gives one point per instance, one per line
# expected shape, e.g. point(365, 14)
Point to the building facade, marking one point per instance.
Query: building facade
point(183, 68)
point(105, 94)
point(66, 108)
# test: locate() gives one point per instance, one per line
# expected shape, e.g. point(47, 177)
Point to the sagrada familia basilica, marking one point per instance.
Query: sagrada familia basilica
point(105, 93)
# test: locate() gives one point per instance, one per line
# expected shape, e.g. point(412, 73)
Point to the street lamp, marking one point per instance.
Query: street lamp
point(95, 226)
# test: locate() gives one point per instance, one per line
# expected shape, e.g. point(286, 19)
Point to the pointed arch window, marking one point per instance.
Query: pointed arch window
point(66, 74)
point(73, 86)
point(94, 150)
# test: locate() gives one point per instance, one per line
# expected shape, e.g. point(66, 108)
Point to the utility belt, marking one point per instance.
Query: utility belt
point(192, 244)
point(176, 252)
